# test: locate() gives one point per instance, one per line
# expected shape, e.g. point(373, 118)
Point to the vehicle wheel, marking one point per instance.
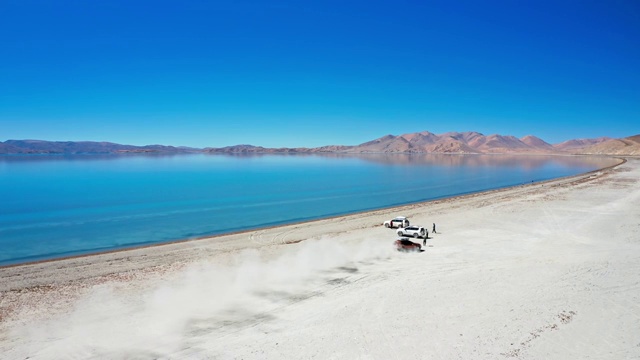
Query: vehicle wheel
point(415, 235)
point(386, 225)
point(399, 233)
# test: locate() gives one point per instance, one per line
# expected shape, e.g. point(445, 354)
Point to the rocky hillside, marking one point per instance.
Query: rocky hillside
point(626, 146)
point(469, 143)
point(579, 143)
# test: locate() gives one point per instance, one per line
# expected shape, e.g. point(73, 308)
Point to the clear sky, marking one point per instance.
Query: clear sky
point(301, 73)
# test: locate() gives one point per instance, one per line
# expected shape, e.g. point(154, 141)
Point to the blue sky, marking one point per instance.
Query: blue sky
point(295, 73)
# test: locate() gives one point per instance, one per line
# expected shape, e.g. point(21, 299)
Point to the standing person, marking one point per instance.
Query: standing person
point(434, 228)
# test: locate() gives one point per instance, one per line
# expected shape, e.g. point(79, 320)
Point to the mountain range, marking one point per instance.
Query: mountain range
point(83, 147)
point(421, 142)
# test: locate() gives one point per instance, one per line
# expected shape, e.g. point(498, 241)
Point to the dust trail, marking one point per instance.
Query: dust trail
point(112, 321)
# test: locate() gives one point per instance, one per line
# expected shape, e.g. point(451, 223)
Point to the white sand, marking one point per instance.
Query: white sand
point(534, 272)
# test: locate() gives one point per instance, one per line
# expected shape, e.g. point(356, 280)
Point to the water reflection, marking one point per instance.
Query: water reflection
point(83, 157)
point(487, 160)
point(448, 160)
point(452, 160)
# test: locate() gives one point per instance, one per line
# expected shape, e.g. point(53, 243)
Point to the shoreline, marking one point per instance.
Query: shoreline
point(398, 208)
point(536, 271)
point(165, 255)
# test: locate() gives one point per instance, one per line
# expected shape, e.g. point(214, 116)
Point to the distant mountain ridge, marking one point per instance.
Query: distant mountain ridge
point(82, 147)
point(470, 142)
point(580, 143)
point(625, 146)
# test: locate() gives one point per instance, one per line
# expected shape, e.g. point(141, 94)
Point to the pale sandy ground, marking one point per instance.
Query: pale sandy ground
point(534, 272)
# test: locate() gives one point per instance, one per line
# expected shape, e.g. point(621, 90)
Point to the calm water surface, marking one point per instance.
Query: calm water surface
point(54, 206)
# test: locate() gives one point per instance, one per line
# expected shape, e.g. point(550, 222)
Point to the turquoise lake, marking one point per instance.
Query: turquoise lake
point(56, 206)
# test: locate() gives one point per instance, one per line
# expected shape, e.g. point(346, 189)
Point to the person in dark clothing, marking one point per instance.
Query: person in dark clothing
point(426, 236)
point(434, 228)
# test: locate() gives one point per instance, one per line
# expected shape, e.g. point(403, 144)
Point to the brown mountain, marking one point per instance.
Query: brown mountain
point(502, 144)
point(451, 146)
point(626, 146)
point(469, 137)
point(536, 142)
point(454, 142)
point(385, 144)
point(635, 138)
point(451, 143)
point(473, 142)
point(579, 143)
point(421, 139)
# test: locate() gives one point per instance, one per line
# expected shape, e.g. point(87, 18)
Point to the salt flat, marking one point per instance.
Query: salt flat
point(542, 271)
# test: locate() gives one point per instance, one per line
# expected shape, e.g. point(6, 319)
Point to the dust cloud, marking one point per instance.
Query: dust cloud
point(197, 302)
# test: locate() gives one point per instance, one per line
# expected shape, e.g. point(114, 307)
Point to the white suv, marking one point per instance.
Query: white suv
point(415, 231)
point(399, 222)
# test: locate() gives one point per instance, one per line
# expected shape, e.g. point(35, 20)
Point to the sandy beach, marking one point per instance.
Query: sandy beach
point(540, 271)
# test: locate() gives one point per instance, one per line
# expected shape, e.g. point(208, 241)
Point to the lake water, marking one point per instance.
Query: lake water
point(55, 206)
